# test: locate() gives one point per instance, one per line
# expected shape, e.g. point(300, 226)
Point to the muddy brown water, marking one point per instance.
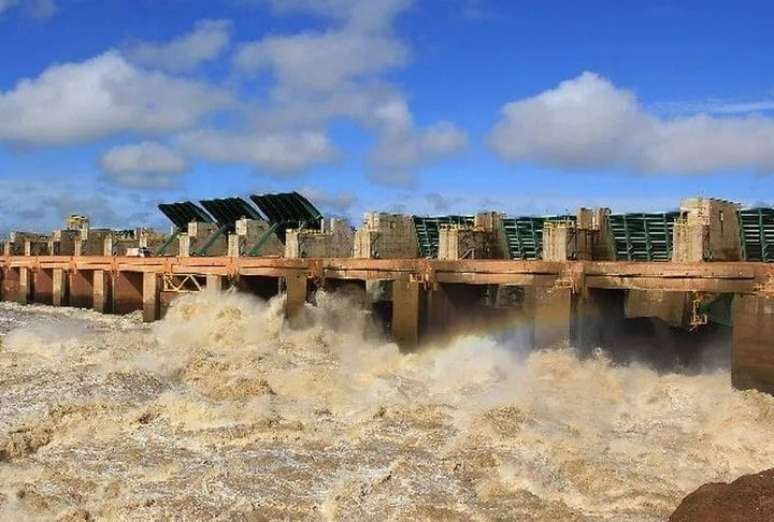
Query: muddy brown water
point(223, 411)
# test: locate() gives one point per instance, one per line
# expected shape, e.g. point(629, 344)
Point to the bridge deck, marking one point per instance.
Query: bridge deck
point(736, 277)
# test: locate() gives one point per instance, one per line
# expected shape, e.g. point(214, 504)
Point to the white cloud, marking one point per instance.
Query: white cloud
point(78, 102)
point(144, 165)
point(284, 152)
point(372, 15)
point(402, 147)
point(587, 123)
point(322, 61)
point(206, 42)
point(323, 76)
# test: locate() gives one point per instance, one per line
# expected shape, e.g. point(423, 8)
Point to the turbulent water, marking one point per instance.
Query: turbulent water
point(223, 411)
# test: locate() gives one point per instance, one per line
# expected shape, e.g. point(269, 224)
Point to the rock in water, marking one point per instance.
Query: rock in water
point(749, 498)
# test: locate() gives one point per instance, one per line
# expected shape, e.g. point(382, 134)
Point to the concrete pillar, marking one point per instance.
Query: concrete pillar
point(59, 287)
point(440, 314)
point(127, 292)
point(150, 296)
point(215, 282)
point(406, 313)
point(295, 287)
point(103, 296)
point(752, 345)
point(551, 310)
point(25, 282)
point(43, 286)
point(82, 288)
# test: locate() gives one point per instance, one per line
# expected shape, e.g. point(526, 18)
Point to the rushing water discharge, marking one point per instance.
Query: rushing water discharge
point(223, 411)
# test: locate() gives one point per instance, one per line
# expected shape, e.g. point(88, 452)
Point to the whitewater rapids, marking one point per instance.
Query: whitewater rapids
point(224, 411)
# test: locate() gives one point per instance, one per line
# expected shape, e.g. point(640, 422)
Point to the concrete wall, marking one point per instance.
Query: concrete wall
point(91, 242)
point(456, 242)
point(708, 230)
point(198, 235)
point(62, 242)
point(484, 240)
point(334, 239)
point(386, 236)
point(670, 307)
point(36, 248)
point(246, 235)
point(563, 241)
point(16, 244)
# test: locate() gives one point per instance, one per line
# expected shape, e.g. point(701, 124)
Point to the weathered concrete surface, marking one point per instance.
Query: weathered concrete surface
point(215, 282)
point(150, 297)
point(334, 239)
point(82, 288)
point(127, 292)
point(406, 313)
point(102, 282)
point(708, 231)
point(386, 236)
point(60, 288)
point(551, 311)
point(296, 289)
point(43, 286)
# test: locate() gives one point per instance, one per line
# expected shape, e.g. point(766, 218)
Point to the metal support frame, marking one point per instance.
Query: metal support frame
point(211, 241)
point(163, 248)
point(180, 283)
point(256, 249)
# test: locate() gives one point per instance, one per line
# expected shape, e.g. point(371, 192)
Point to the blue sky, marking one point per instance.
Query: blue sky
point(108, 107)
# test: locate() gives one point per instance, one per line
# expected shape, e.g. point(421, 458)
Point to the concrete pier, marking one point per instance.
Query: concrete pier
point(59, 287)
point(150, 296)
point(406, 313)
point(296, 287)
point(102, 283)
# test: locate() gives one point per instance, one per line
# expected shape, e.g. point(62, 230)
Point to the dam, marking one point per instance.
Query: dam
point(574, 279)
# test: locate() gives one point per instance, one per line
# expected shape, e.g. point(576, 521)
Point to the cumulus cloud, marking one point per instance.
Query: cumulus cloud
point(338, 73)
point(587, 122)
point(143, 165)
point(402, 147)
point(78, 102)
point(285, 152)
point(322, 61)
point(206, 42)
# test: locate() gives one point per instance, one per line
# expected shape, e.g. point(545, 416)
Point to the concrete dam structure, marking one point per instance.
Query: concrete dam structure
point(590, 279)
